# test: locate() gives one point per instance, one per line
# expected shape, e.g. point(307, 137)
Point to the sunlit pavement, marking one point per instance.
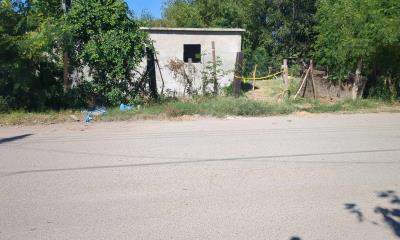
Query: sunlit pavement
point(294, 177)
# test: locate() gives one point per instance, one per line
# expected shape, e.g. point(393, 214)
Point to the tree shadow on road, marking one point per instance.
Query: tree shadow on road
point(295, 238)
point(15, 138)
point(390, 214)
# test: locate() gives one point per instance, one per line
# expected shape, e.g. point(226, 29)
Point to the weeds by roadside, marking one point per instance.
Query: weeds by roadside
point(33, 118)
point(215, 107)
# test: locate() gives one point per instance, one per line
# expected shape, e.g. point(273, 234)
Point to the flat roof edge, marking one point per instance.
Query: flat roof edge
point(193, 29)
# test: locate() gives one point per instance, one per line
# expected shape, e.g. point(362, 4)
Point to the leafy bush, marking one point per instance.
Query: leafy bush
point(210, 75)
point(115, 97)
point(295, 70)
point(34, 35)
point(80, 96)
point(244, 87)
point(106, 38)
point(228, 90)
point(381, 89)
point(4, 105)
point(358, 31)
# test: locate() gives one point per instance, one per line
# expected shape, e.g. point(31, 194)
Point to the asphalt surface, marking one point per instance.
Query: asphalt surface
point(294, 177)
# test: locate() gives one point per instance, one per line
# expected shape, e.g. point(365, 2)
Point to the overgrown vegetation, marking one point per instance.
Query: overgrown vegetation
point(184, 74)
point(99, 43)
point(210, 75)
point(40, 45)
point(109, 42)
point(276, 29)
point(337, 35)
point(351, 32)
point(206, 106)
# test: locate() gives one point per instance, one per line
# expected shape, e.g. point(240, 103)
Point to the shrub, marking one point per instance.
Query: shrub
point(4, 107)
point(106, 38)
point(295, 70)
point(80, 96)
point(115, 97)
point(244, 87)
point(383, 90)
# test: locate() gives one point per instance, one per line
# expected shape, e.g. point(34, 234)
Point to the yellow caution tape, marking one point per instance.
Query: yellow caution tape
point(245, 79)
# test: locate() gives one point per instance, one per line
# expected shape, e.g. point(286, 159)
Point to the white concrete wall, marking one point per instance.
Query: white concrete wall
point(169, 45)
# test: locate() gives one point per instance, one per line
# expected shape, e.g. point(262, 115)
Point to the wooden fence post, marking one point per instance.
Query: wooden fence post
point(285, 76)
point(238, 73)
point(151, 69)
point(254, 77)
point(303, 82)
point(214, 60)
point(312, 79)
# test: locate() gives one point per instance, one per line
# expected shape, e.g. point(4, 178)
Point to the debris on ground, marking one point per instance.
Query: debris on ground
point(97, 111)
point(88, 118)
point(125, 108)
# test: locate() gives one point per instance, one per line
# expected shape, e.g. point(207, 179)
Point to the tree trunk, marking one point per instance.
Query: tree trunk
point(238, 73)
point(67, 83)
point(285, 76)
point(66, 5)
point(357, 81)
point(151, 69)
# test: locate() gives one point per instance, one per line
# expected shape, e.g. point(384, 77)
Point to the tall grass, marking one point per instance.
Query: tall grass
point(216, 107)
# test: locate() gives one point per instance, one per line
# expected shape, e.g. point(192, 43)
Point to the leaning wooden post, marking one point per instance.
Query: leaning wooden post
point(285, 75)
point(254, 77)
point(302, 83)
point(312, 79)
point(238, 74)
point(214, 61)
point(151, 69)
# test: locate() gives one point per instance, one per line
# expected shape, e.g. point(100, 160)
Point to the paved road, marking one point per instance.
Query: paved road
point(308, 177)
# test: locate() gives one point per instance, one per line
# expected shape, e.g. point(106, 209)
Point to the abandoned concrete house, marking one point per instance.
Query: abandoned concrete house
point(193, 47)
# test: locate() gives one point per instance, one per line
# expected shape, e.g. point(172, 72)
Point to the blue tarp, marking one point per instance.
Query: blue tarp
point(96, 111)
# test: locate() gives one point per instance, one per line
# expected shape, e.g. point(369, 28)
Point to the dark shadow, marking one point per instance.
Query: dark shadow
point(246, 87)
point(354, 210)
point(391, 195)
point(15, 138)
point(295, 238)
point(390, 214)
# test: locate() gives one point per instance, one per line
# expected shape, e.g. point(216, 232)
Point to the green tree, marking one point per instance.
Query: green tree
point(182, 13)
point(107, 39)
point(276, 29)
point(29, 70)
point(34, 34)
point(350, 31)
